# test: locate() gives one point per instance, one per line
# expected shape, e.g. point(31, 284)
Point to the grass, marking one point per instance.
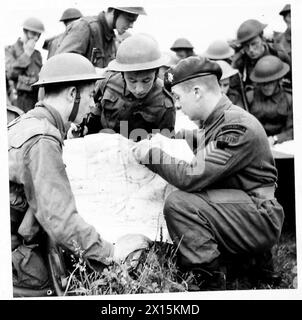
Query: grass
point(158, 273)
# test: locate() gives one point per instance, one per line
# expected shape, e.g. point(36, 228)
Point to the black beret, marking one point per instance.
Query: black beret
point(189, 68)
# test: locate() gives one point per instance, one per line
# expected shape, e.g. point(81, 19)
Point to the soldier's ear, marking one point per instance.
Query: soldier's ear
point(198, 92)
point(71, 94)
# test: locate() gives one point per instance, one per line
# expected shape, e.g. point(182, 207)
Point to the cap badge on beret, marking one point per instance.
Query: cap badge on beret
point(170, 77)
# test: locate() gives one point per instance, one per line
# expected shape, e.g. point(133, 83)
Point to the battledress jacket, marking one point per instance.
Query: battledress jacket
point(24, 71)
point(92, 38)
point(233, 153)
point(275, 112)
point(116, 103)
point(245, 65)
point(40, 192)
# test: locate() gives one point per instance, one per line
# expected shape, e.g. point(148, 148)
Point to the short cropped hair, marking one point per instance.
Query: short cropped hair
point(56, 88)
point(210, 83)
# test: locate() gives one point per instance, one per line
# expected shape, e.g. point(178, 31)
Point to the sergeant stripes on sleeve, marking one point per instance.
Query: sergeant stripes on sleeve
point(213, 154)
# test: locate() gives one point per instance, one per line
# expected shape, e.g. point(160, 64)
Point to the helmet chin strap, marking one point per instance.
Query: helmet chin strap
point(75, 107)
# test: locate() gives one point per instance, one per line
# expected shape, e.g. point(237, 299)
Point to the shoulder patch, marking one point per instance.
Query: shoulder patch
point(233, 127)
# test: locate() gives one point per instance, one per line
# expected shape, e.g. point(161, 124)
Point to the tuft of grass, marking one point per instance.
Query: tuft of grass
point(158, 273)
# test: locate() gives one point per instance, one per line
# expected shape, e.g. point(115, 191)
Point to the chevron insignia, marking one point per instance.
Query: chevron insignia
point(213, 154)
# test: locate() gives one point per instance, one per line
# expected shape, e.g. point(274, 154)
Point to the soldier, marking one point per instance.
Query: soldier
point(68, 16)
point(284, 39)
point(225, 203)
point(221, 50)
point(270, 102)
point(183, 48)
point(254, 46)
point(23, 63)
point(133, 92)
point(94, 37)
point(227, 73)
point(41, 199)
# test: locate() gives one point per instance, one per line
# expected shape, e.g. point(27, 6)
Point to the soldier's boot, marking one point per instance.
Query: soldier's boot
point(207, 277)
point(263, 270)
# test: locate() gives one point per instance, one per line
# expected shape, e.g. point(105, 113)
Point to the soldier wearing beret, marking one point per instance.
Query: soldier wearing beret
point(225, 203)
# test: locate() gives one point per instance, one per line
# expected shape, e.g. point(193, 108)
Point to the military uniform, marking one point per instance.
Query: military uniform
point(92, 38)
point(40, 194)
point(245, 65)
point(51, 44)
point(116, 103)
point(283, 40)
point(12, 112)
point(275, 112)
point(23, 70)
point(226, 200)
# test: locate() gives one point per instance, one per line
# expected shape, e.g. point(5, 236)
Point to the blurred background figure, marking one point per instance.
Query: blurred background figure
point(119, 38)
point(227, 73)
point(23, 63)
point(94, 36)
point(283, 40)
point(183, 48)
point(269, 101)
point(253, 47)
point(171, 60)
point(219, 50)
point(68, 16)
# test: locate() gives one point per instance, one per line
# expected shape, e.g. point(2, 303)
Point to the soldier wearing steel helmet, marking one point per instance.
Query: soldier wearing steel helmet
point(94, 37)
point(220, 50)
point(69, 15)
point(270, 102)
point(254, 46)
point(133, 93)
point(23, 63)
point(283, 39)
point(183, 48)
point(225, 204)
point(41, 199)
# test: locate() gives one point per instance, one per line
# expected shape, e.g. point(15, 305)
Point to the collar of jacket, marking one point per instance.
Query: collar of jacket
point(43, 110)
point(223, 104)
point(108, 32)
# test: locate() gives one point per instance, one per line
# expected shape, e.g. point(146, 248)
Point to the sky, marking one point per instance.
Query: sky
point(202, 22)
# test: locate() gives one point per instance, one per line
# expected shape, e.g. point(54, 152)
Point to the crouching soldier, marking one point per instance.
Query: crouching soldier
point(132, 93)
point(225, 203)
point(41, 199)
point(270, 102)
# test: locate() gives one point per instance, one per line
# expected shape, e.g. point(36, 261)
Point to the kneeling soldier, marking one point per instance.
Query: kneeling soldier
point(225, 202)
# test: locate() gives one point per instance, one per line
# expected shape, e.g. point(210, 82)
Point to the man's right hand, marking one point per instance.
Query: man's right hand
point(29, 46)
